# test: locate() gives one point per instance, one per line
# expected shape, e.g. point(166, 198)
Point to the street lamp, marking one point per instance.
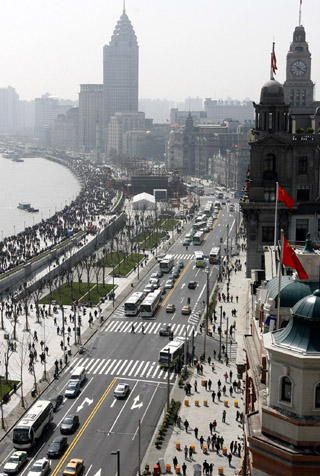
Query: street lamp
point(112, 284)
point(228, 244)
point(220, 331)
point(207, 271)
point(168, 380)
point(118, 460)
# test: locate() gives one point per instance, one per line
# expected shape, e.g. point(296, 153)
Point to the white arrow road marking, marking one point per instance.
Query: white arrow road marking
point(98, 473)
point(86, 400)
point(183, 285)
point(135, 403)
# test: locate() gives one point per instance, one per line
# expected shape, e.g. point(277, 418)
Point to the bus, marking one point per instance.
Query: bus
point(197, 239)
point(32, 425)
point(150, 304)
point(166, 264)
point(199, 259)
point(132, 305)
point(214, 256)
point(171, 352)
point(199, 225)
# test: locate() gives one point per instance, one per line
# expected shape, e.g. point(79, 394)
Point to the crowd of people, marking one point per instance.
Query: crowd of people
point(87, 213)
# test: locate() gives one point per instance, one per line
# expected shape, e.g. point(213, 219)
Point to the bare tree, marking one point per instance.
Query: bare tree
point(26, 298)
point(2, 309)
point(36, 296)
point(23, 357)
point(79, 271)
point(6, 351)
point(88, 264)
point(97, 266)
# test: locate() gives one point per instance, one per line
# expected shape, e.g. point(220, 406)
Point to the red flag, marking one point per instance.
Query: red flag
point(273, 62)
point(284, 197)
point(291, 259)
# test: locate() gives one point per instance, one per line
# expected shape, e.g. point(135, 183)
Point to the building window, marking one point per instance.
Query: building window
point(303, 165)
point(269, 194)
point(302, 226)
point(269, 163)
point(292, 96)
point(303, 193)
point(286, 389)
point(267, 234)
point(317, 397)
point(303, 97)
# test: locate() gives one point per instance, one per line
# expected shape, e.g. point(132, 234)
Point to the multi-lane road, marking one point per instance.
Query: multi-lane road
point(116, 355)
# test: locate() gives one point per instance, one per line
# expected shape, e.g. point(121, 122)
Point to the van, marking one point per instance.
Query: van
point(79, 374)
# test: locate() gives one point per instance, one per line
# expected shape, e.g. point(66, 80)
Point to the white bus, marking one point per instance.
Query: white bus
point(166, 264)
point(199, 259)
point(214, 256)
point(132, 305)
point(32, 425)
point(197, 239)
point(150, 304)
point(217, 204)
point(171, 352)
point(199, 225)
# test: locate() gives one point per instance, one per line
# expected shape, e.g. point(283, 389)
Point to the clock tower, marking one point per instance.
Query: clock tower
point(298, 87)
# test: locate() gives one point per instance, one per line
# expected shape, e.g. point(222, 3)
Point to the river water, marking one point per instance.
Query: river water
point(46, 185)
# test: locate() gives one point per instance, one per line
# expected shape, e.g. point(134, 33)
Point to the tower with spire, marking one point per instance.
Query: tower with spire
point(121, 70)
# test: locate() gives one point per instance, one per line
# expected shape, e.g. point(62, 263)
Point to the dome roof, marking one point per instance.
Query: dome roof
point(291, 291)
point(302, 334)
point(272, 93)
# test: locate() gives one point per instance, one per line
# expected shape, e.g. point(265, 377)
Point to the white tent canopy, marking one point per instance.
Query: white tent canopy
point(143, 201)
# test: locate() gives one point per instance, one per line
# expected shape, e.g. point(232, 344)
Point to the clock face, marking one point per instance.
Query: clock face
point(298, 68)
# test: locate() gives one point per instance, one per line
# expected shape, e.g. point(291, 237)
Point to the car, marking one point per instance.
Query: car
point(180, 264)
point(57, 446)
point(170, 307)
point(73, 389)
point(175, 274)
point(165, 330)
point(192, 284)
point(169, 284)
point(160, 257)
point(41, 467)
point(121, 390)
point(159, 274)
point(206, 229)
point(56, 401)
point(69, 424)
point(163, 290)
point(149, 288)
point(15, 462)
point(186, 310)
point(154, 275)
point(155, 282)
point(186, 242)
point(74, 467)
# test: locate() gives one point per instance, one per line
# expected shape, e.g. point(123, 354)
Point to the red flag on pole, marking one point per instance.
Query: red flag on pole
point(290, 259)
point(273, 62)
point(284, 197)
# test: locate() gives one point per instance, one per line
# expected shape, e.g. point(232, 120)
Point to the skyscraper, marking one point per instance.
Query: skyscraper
point(120, 70)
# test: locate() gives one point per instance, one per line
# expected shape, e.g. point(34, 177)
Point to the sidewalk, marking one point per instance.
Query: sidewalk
point(201, 416)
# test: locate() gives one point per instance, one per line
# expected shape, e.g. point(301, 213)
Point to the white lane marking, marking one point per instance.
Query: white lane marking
point(119, 414)
point(145, 411)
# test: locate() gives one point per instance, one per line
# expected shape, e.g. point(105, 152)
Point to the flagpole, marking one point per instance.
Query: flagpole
point(279, 282)
point(275, 217)
point(271, 63)
point(300, 13)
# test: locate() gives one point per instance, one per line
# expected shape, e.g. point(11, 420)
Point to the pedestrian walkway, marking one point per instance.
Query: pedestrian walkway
point(145, 327)
point(131, 369)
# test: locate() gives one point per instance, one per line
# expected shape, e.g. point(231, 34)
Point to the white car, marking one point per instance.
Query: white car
point(121, 390)
point(40, 467)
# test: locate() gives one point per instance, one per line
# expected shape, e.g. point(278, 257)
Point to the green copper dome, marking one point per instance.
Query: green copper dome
point(302, 334)
point(291, 291)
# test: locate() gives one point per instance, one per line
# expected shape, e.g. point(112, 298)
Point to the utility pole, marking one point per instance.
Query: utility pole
point(227, 336)
point(139, 449)
point(112, 284)
point(228, 244)
point(168, 381)
point(207, 314)
point(220, 333)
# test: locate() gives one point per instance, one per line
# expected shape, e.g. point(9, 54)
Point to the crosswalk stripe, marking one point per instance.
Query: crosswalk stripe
point(145, 369)
point(97, 368)
point(157, 328)
point(132, 369)
point(111, 367)
point(110, 364)
point(155, 372)
point(150, 369)
point(152, 327)
point(127, 367)
point(123, 364)
point(114, 371)
point(105, 365)
point(147, 326)
point(138, 369)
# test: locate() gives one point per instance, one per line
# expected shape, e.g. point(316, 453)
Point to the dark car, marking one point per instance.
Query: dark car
point(69, 424)
point(73, 389)
point(192, 284)
point(57, 447)
point(165, 330)
point(56, 401)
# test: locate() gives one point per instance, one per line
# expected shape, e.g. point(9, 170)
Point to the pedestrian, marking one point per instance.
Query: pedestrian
point(58, 330)
point(61, 364)
point(213, 396)
point(205, 467)
point(195, 386)
point(132, 329)
point(196, 430)
point(142, 329)
point(219, 395)
point(210, 427)
point(210, 469)
point(217, 445)
point(226, 376)
point(14, 388)
point(214, 354)
point(201, 369)
point(175, 462)
point(208, 441)
point(185, 452)
point(205, 384)
point(235, 446)
point(212, 367)
point(190, 452)
point(201, 439)
point(224, 389)
point(186, 425)
point(209, 360)
point(224, 416)
point(184, 469)
point(231, 446)
point(219, 384)
point(61, 344)
point(239, 451)
point(179, 421)
point(209, 384)
point(229, 458)
point(35, 336)
point(214, 424)
point(231, 390)
point(230, 375)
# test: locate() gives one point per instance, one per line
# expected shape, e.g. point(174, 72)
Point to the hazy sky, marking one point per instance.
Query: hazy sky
point(205, 48)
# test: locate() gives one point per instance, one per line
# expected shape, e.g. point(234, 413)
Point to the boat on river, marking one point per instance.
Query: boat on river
point(27, 207)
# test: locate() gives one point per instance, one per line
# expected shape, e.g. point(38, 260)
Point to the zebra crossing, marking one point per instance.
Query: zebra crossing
point(149, 327)
point(182, 256)
point(133, 369)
